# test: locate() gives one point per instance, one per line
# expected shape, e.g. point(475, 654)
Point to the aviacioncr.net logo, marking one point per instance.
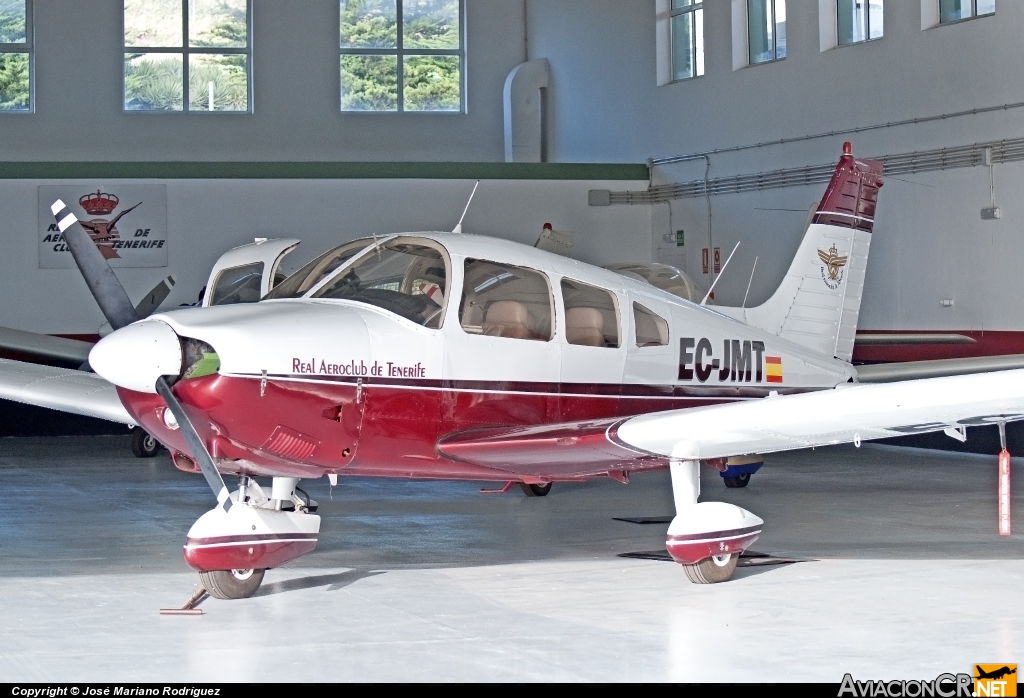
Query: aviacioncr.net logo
point(942, 686)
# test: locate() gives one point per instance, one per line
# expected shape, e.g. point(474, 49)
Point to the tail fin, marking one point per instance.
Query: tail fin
point(818, 302)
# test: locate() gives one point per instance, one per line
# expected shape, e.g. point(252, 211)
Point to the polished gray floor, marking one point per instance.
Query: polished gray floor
point(905, 577)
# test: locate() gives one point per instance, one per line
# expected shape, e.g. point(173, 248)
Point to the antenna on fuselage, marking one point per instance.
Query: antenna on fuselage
point(752, 270)
point(710, 290)
point(458, 226)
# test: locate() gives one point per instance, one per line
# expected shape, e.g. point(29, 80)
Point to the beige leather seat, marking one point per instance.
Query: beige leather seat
point(584, 326)
point(509, 319)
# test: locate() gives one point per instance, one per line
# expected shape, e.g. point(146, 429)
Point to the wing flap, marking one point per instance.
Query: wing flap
point(61, 389)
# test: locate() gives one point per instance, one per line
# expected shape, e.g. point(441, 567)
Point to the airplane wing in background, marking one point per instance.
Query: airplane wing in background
point(848, 413)
point(61, 389)
point(44, 345)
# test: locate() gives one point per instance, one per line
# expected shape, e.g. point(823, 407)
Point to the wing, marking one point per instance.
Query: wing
point(61, 389)
point(44, 345)
point(840, 261)
point(848, 413)
point(825, 257)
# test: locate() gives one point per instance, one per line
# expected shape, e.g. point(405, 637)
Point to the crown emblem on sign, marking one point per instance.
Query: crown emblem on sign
point(98, 204)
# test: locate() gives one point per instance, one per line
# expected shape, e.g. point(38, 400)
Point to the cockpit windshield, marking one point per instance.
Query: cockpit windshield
point(406, 278)
point(296, 285)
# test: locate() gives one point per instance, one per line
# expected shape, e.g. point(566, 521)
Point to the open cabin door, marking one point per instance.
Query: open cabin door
point(247, 273)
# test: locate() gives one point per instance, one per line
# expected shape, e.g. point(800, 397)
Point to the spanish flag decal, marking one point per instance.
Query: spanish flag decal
point(773, 369)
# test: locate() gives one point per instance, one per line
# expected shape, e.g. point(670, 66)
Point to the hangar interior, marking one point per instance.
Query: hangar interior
point(654, 131)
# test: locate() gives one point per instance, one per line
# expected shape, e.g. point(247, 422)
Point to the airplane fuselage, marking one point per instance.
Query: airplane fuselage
point(312, 386)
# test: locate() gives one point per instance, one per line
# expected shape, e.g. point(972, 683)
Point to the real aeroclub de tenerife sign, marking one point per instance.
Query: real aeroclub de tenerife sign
point(128, 223)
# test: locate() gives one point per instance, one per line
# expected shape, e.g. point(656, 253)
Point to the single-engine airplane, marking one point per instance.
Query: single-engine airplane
point(452, 356)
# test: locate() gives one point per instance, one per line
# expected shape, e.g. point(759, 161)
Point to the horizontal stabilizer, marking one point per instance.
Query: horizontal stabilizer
point(913, 370)
point(61, 389)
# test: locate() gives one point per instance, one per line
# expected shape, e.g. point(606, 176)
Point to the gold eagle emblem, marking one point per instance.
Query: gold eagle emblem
point(834, 261)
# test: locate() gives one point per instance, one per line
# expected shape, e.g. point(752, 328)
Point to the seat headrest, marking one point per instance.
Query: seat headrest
point(508, 313)
point(584, 317)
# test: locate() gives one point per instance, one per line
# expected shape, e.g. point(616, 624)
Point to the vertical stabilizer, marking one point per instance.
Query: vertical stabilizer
point(818, 302)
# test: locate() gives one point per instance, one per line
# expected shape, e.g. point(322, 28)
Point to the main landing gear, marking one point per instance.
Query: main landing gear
point(233, 548)
point(706, 538)
point(144, 445)
point(536, 490)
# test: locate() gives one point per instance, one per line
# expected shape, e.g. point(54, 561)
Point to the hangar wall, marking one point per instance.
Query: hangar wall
point(930, 242)
point(296, 115)
point(207, 217)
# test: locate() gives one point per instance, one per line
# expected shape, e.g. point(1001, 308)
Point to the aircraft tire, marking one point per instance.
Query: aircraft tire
point(231, 584)
point(144, 445)
point(536, 490)
point(738, 481)
point(712, 570)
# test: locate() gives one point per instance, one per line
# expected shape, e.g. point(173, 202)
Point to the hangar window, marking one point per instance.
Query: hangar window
point(500, 300)
point(15, 55)
point(766, 30)
point(187, 55)
point(591, 317)
point(956, 10)
point(859, 20)
point(651, 328)
point(687, 31)
point(402, 55)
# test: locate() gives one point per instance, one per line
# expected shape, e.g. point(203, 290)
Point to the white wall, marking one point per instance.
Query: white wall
point(205, 218)
point(930, 242)
point(79, 100)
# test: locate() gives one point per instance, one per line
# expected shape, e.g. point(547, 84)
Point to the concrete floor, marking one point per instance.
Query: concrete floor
point(430, 581)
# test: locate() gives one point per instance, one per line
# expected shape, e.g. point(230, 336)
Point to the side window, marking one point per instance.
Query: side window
point(591, 319)
point(500, 300)
point(238, 285)
point(651, 328)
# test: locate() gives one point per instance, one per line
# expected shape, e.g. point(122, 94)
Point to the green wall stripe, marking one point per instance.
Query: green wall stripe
point(321, 170)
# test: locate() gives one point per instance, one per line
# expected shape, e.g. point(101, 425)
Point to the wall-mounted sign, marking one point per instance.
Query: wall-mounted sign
point(127, 222)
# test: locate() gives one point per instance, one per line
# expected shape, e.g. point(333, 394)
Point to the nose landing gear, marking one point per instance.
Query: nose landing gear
point(232, 549)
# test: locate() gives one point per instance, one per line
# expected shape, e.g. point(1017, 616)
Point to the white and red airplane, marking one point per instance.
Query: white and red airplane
point(443, 355)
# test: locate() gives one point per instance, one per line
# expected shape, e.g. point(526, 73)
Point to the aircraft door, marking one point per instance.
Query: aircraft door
point(247, 273)
point(501, 358)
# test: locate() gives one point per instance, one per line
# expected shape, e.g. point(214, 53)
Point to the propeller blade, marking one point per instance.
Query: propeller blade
point(102, 282)
point(195, 443)
point(148, 305)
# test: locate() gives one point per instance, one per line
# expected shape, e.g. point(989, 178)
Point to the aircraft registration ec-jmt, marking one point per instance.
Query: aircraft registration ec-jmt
point(444, 355)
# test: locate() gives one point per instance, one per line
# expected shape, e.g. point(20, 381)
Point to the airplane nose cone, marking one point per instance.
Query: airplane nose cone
point(133, 357)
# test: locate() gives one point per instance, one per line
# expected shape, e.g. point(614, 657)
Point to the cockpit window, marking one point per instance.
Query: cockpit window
point(404, 278)
point(296, 285)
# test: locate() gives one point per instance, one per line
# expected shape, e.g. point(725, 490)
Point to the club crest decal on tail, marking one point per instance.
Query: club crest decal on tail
point(832, 272)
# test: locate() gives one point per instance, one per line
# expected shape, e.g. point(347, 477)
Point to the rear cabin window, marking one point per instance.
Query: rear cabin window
point(499, 300)
point(238, 285)
point(406, 279)
point(651, 328)
point(591, 319)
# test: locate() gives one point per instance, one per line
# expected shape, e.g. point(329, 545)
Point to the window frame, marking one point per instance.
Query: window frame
point(636, 339)
point(775, 35)
point(400, 52)
point(552, 304)
point(974, 13)
point(867, 25)
point(185, 51)
point(673, 12)
point(27, 47)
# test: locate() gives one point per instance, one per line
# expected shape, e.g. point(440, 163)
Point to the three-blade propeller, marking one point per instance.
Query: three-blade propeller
point(113, 300)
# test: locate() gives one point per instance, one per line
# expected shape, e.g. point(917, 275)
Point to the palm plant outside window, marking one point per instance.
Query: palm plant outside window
point(956, 10)
point(687, 27)
point(15, 55)
point(402, 55)
point(766, 30)
point(187, 55)
point(859, 20)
